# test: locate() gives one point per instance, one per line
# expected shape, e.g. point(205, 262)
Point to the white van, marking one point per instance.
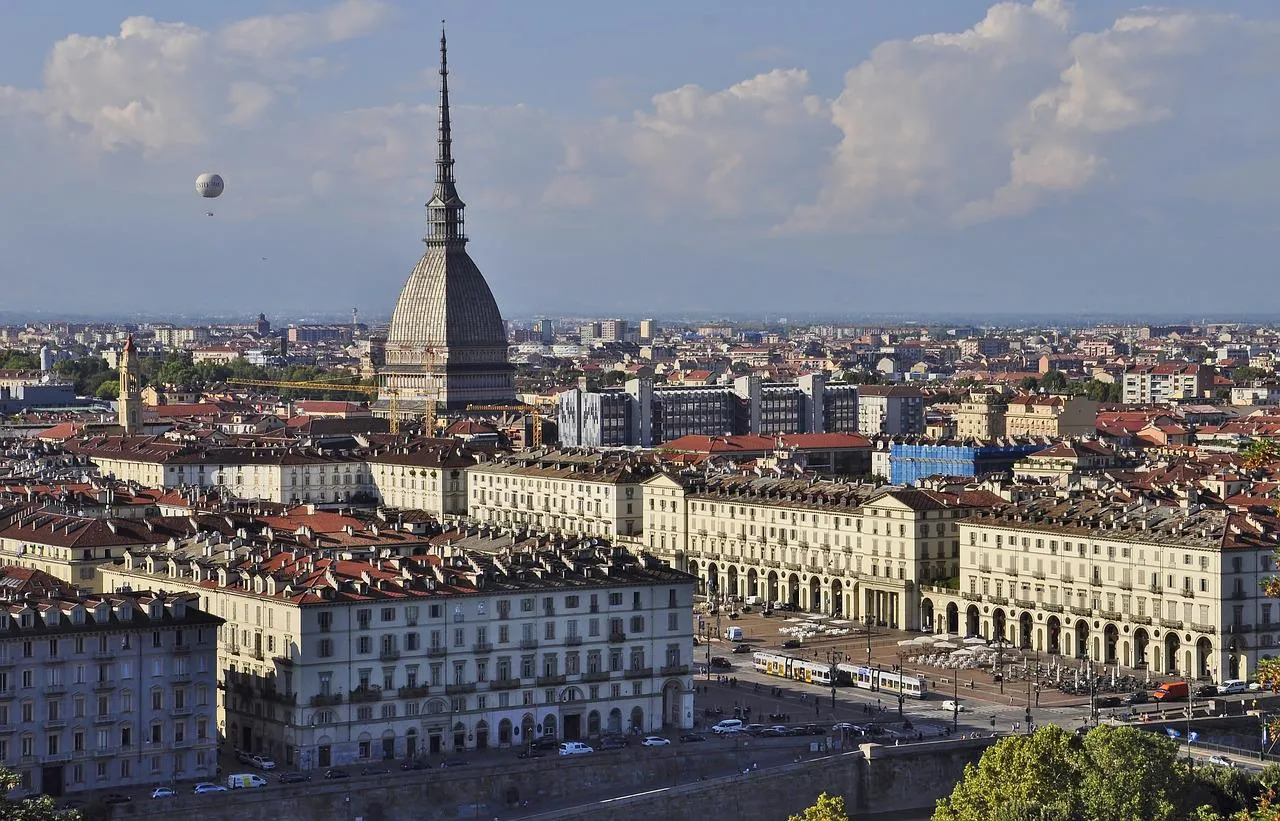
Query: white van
point(754, 600)
point(1232, 686)
point(734, 634)
point(729, 725)
point(245, 781)
point(951, 706)
point(574, 748)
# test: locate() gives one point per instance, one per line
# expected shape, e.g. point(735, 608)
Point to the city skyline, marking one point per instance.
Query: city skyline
point(1022, 158)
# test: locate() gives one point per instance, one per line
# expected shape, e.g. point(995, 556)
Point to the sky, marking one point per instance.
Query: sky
point(838, 157)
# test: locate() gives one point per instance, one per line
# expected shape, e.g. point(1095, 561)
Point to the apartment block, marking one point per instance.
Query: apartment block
point(329, 660)
point(1172, 589)
point(106, 691)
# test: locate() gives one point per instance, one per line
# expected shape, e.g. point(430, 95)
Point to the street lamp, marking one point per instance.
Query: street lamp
point(955, 704)
point(870, 622)
point(834, 656)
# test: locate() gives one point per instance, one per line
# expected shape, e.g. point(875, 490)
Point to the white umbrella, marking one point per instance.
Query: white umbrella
point(905, 642)
point(975, 640)
point(944, 645)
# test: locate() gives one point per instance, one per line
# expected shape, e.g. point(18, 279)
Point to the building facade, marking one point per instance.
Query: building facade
point(1058, 417)
point(328, 661)
point(107, 691)
point(855, 551)
point(892, 409)
point(1171, 589)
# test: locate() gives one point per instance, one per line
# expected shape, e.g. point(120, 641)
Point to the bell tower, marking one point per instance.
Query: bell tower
point(129, 403)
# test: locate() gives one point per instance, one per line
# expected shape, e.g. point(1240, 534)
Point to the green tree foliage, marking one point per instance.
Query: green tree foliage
point(1260, 453)
point(19, 360)
point(1246, 374)
point(31, 809)
point(1106, 392)
point(826, 808)
point(1112, 774)
point(1055, 382)
point(108, 390)
point(88, 374)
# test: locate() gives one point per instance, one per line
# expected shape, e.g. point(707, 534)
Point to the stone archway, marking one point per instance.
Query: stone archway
point(1082, 639)
point(1204, 658)
point(998, 625)
point(926, 615)
point(672, 703)
point(637, 719)
point(1140, 643)
point(771, 593)
point(837, 597)
point(549, 726)
point(615, 720)
point(526, 728)
point(593, 724)
point(713, 581)
point(731, 585)
point(1236, 660)
point(953, 617)
point(1054, 628)
point(482, 735)
point(753, 582)
point(1024, 631)
point(815, 595)
point(793, 590)
point(1110, 640)
point(504, 732)
point(1171, 645)
point(972, 621)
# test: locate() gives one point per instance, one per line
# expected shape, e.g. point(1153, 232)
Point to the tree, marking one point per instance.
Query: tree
point(31, 809)
point(1054, 382)
point(1112, 774)
point(108, 390)
point(19, 360)
point(1260, 453)
point(1246, 374)
point(1029, 383)
point(826, 808)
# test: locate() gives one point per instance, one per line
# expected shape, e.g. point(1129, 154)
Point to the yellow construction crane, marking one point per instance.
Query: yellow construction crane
point(315, 385)
point(531, 410)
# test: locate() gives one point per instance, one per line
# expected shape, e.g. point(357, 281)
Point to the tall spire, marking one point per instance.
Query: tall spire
point(444, 211)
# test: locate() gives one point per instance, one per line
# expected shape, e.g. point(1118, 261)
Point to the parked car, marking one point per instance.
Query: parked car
point(530, 752)
point(655, 741)
point(245, 781)
point(163, 792)
point(574, 748)
point(1233, 687)
point(243, 757)
point(546, 742)
point(742, 648)
point(613, 743)
point(1138, 697)
point(721, 663)
point(294, 778)
point(729, 725)
point(415, 764)
point(691, 738)
point(1222, 761)
point(206, 787)
point(811, 729)
point(116, 798)
point(1110, 701)
point(753, 729)
point(262, 762)
point(951, 706)
point(774, 732)
point(1206, 691)
point(791, 644)
point(336, 773)
point(454, 762)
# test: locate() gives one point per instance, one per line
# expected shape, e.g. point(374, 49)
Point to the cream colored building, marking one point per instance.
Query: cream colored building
point(980, 417)
point(850, 550)
point(327, 661)
point(1172, 589)
point(573, 492)
point(292, 475)
point(71, 548)
point(432, 479)
point(1058, 417)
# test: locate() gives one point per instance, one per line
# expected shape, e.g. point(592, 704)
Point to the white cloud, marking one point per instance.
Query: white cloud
point(159, 85)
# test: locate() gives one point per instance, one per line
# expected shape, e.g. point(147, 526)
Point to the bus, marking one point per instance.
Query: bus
point(871, 678)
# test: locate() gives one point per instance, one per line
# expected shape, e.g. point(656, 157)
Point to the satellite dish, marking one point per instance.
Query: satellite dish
point(209, 185)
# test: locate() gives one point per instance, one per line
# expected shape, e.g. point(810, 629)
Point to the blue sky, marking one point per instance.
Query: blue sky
point(624, 158)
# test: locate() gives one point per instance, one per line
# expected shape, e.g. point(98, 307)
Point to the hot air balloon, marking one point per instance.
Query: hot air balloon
point(209, 185)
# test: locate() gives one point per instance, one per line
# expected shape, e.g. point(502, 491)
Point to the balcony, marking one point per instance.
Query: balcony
point(550, 681)
point(287, 699)
point(1188, 593)
point(330, 700)
point(1171, 624)
point(185, 710)
point(1240, 628)
point(5, 695)
point(181, 743)
point(1110, 615)
point(459, 689)
point(54, 723)
point(1025, 604)
point(599, 675)
point(1002, 601)
point(106, 752)
point(55, 689)
point(364, 694)
point(984, 567)
point(793, 565)
point(528, 644)
point(572, 641)
point(436, 651)
point(283, 661)
point(362, 625)
point(774, 563)
point(1140, 619)
point(1011, 571)
point(1037, 574)
point(1204, 628)
point(482, 647)
point(675, 670)
point(1155, 588)
point(548, 611)
point(418, 691)
point(104, 719)
point(1081, 611)
point(639, 672)
point(971, 596)
point(182, 649)
point(617, 638)
point(505, 684)
point(1239, 594)
point(1126, 585)
point(389, 655)
point(1095, 582)
point(1053, 608)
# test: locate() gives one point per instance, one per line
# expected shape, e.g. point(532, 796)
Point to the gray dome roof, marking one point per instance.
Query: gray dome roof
point(447, 304)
